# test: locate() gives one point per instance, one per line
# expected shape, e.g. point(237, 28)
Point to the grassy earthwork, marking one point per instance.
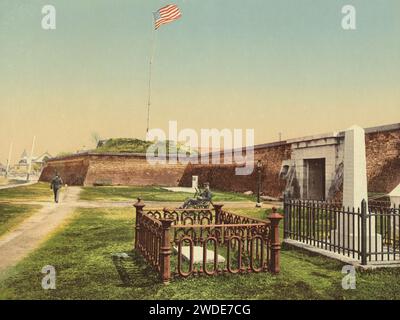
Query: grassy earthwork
point(82, 252)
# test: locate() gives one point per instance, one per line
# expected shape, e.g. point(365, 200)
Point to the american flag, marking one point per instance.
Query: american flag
point(166, 14)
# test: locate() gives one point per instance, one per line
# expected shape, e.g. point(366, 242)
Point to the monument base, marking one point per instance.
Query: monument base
point(353, 241)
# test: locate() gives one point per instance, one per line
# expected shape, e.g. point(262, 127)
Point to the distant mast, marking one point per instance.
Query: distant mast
point(9, 159)
point(30, 159)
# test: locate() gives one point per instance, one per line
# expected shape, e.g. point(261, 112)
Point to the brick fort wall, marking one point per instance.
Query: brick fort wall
point(382, 152)
point(223, 177)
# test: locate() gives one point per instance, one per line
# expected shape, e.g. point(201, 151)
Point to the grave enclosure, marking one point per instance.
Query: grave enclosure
point(195, 242)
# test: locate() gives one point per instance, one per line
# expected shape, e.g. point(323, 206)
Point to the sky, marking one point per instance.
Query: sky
point(275, 66)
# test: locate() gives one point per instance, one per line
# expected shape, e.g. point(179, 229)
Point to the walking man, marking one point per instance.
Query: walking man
point(56, 184)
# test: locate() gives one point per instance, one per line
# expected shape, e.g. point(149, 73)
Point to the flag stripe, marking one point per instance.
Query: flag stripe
point(167, 9)
point(170, 13)
point(166, 21)
point(166, 14)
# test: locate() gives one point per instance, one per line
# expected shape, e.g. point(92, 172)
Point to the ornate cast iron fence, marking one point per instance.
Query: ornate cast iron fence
point(194, 242)
point(369, 233)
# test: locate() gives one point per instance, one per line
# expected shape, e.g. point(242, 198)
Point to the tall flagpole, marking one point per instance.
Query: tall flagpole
point(164, 15)
point(150, 74)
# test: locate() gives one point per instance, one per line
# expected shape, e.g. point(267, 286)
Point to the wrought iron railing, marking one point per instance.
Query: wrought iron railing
point(191, 242)
point(369, 233)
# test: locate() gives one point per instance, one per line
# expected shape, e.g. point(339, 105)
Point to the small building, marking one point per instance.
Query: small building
point(43, 158)
point(37, 161)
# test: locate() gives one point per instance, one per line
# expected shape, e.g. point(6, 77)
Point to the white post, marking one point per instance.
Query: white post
point(30, 159)
point(355, 190)
point(195, 182)
point(9, 159)
point(355, 168)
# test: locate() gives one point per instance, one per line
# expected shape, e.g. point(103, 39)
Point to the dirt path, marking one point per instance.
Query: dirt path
point(18, 243)
point(16, 185)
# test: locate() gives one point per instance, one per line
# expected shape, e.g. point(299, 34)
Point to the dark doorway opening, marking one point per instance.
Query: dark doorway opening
point(315, 179)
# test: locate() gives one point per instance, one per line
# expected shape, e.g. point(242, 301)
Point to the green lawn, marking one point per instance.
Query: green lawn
point(35, 192)
point(13, 214)
point(81, 254)
point(152, 194)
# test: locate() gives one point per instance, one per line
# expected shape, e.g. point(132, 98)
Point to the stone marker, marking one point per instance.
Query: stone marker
point(355, 168)
point(355, 189)
point(198, 255)
point(195, 182)
point(120, 255)
point(395, 196)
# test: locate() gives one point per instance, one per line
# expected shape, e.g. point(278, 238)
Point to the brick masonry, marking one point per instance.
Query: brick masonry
point(383, 160)
point(223, 177)
point(112, 169)
point(132, 170)
point(73, 170)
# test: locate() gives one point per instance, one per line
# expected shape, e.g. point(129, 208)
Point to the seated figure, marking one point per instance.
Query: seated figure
point(203, 199)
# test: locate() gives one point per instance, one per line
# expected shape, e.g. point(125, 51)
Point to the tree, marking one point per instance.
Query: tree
point(96, 138)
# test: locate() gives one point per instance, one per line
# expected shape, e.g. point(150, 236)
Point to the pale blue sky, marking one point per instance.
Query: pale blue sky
point(269, 65)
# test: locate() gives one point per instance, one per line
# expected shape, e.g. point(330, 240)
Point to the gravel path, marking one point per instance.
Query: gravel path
point(18, 243)
point(16, 185)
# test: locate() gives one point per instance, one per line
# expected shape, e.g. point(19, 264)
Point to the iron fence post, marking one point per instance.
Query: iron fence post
point(364, 232)
point(139, 205)
point(275, 243)
point(217, 209)
point(285, 216)
point(165, 250)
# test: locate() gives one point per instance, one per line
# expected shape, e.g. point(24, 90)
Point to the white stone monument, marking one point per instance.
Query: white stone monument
point(355, 190)
point(195, 182)
point(395, 201)
point(355, 168)
point(395, 196)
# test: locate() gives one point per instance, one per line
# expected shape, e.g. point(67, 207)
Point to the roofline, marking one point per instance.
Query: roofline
point(338, 134)
point(384, 128)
